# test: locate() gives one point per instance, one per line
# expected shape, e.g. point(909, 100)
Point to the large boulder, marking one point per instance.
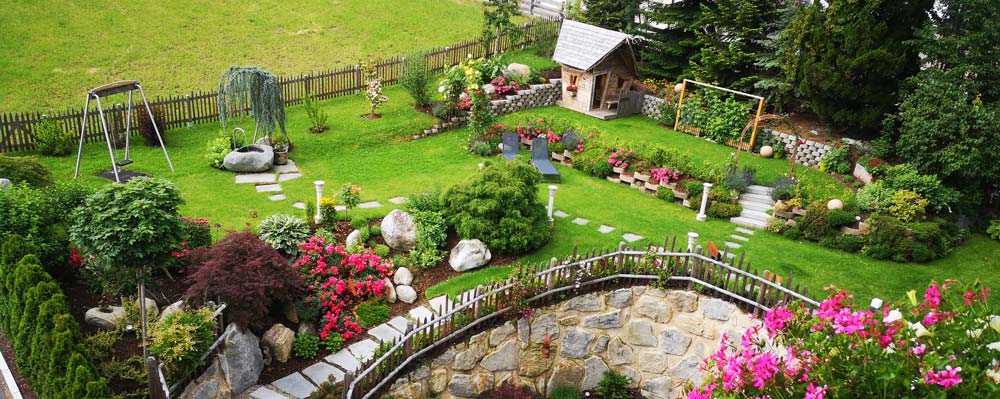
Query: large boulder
point(406, 293)
point(390, 291)
point(242, 360)
point(399, 230)
point(210, 385)
point(468, 255)
point(151, 309)
point(353, 239)
point(105, 317)
point(250, 159)
point(519, 69)
point(171, 309)
point(279, 340)
point(403, 276)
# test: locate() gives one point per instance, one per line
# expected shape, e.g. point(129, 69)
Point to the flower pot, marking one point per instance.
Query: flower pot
point(280, 158)
point(641, 177)
point(618, 170)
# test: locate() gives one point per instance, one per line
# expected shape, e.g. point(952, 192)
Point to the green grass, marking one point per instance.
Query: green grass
point(378, 156)
point(57, 50)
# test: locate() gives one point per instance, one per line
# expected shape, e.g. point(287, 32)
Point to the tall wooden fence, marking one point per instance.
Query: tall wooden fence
point(486, 306)
point(201, 106)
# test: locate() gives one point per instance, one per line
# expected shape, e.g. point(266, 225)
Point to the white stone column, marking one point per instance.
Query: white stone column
point(552, 201)
point(319, 197)
point(692, 237)
point(704, 202)
point(481, 166)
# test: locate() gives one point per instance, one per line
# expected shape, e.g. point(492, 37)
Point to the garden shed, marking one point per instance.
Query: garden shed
point(600, 65)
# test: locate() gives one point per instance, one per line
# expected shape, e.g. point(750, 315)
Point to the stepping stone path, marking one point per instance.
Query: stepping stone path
point(580, 221)
point(397, 200)
point(277, 197)
point(560, 214)
point(605, 229)
point(299, 205)
point(299, 385)
point(269, 182)
point(629, 237)
point(369, 205)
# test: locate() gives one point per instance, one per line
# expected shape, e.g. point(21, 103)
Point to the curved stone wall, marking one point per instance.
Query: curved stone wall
point(658, 338)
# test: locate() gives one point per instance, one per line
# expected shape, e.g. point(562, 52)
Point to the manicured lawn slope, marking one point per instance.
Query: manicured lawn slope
point(56, 50)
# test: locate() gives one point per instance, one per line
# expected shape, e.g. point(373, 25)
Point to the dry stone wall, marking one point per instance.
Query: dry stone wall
point(651, 106)
point(538, 95)
point(657, 338)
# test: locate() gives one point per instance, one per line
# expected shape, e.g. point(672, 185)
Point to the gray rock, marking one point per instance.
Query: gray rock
point(171, 308)
point(353, 239)
point(534, 362)
point(4, 183)
point(252, 158)
point(306, 328)
point(601, 344)
point(468, 255)
point(399, 230)
point(688, 369)
point(243, 360)
point(620, 298)
point(438, 381)
point(674, 342)
point(503, 359)
point(619, 352)
point(524, 332)
point(584, 303)
point(604, 321)
point(717, 309)
point(542, 326)
point(466, 360)
point(565, 373)
point(279, 340)
point(659, 388)
point(501, 333)
point(575, 344)
point(406, 293)
point(105, 318)
point(151, 309)
point(684, 301)
point(639, 332)
point(594, 369)
point(467, 386)
point(210, 385)
point(652, 361)
point(519, 69)
point(633, 375)
point(402, 276)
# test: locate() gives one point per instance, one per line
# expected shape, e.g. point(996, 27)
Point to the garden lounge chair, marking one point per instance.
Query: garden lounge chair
point(540, 158)
point(511, 145)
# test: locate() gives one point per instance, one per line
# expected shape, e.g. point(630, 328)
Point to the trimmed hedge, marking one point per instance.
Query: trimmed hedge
point(46, 338)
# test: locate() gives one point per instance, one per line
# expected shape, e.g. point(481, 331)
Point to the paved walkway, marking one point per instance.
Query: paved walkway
point(270, 182)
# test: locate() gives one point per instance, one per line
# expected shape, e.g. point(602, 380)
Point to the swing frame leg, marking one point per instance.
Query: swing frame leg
point(83, 130)
point(107, 138)
point(156, 129)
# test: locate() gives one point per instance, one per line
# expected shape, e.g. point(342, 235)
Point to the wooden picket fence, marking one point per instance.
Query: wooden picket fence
point(202, 106)
point(484, 307)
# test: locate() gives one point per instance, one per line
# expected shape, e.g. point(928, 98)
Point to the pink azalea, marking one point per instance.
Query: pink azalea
point(814, 392)
point(945, 378)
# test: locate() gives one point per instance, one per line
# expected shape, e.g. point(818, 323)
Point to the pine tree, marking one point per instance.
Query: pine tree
point(848, 59)
point(616, 15)
point(670, 43)
point(732, 39)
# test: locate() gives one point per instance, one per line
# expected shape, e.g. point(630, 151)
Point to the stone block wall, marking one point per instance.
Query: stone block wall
point(539, 95)
point(809, 153)
point(657, 338)
point(651, 106)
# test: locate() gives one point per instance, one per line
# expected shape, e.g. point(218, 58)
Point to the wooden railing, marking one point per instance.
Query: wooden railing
point(202, 106)
point(485, 306)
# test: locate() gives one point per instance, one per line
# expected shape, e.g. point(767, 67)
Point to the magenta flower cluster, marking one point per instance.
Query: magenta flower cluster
point(504, 85)
point(620, 158)
point(664, 175)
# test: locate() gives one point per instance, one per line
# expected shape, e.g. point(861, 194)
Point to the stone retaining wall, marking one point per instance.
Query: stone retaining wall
point(539, 95)
point(651, 106)
point(657, 338)
point(809, 153)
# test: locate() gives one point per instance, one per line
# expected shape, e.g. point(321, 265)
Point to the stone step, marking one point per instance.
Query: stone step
point(747, 222)
point(758, 215)
point(764, 199)
point(267, 393)
point(762, 190)
point(733, 245)
point(295, 385)
point(738, 237)
point(755, 206)
point(744, 231)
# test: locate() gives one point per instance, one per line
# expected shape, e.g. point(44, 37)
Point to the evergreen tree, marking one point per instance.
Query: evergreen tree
point(498, 18)
point(670, 43)
point(616, 15)
point(848, 59)
point(732, 41)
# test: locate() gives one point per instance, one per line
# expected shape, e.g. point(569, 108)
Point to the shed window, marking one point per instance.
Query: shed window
point(572, 79)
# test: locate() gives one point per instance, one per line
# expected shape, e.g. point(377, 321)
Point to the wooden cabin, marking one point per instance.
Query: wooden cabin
point(600, 63)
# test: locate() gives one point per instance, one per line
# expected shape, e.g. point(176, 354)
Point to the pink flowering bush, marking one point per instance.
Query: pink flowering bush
point(664, 175)
point(946, 345)
point(504, 85)
point(621, 158)
point(338, 281)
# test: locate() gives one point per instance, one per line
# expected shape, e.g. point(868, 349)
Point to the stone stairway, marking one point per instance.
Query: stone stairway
point(756, 202)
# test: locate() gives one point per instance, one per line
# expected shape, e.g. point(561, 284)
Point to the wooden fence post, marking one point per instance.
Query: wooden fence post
point(306, 81)
point(190, 111)
point(153, 373)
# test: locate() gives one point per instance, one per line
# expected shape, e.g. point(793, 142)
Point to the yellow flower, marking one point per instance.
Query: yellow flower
point(995, 323)
point(912, 294)
point(328, 201)
point(920, 330)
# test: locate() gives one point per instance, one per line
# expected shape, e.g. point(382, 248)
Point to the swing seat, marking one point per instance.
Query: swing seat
point(123, 163)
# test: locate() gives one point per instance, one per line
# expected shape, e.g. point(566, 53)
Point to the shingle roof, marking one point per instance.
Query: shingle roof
point(583, 46)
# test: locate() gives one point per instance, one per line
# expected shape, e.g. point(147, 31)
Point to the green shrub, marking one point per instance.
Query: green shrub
point(994, 229)
point(180, 339)
point(828, 242)
point(849, 243)
point(381, 250)
point(429, 201)
point(146, 126)
point(875, 197)
point(840, 217)
point(50, 138)
point(333, 343)
point(432, 235)
point(565, 392)
point(836, 161)
point(416, 78)
point(317, 118)
point(783, 189)
point(777, 225)
point(198, 232)
point(500, 207)
point(885, 239)
point(906, 177)
point(937, 239)
point(43, 215)
point(907, 206)
point(723, 210)
point(217, 149)
point(694, 187)
point(306, 346)
point(372, 313)
point(739, 180)
point(720, 194)
point(284, 232)
point(614, 386)
point(793, 232)
point(441, 111)
point(815, 224)
point(24, 170)
point(483, 148)
point(665, 193)
point(359, 222)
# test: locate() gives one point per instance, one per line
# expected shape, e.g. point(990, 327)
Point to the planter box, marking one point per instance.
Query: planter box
point(567, 154)
point(799, 211)
point(613, 179)
point(558, 156)
point(525, 142)
point(651, 187)
point(627, 179)
point(641, 177)
point(618, 170)
point(680, 194)
point(671, 186)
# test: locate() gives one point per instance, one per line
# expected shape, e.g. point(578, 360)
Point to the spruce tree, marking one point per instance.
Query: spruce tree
point(848, 59)
point(732, 41)
point(670, 43)
point(616, 15)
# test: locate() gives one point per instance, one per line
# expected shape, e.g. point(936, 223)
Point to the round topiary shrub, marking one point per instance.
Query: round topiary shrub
point(24, 170)
point(500, 207)
point(815, 224)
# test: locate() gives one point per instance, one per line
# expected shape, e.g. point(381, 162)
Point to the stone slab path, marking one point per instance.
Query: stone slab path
point(270, 182)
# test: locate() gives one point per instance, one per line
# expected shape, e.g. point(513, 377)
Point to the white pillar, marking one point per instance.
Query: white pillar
point(481, 166)
point(704, 202)
point(319, 197)
point(552, 201)
point(692, 236)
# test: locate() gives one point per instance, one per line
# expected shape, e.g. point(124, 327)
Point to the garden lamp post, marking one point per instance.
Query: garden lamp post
point(319, 197)
point(552, 201)
point(704, 202)
point(692, 237)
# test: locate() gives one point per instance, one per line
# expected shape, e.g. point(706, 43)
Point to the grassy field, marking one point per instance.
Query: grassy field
point(378, 156)
point(56, 50)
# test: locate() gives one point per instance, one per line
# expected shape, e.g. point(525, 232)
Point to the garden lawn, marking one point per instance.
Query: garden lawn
point(55, 51)
point(378, 156)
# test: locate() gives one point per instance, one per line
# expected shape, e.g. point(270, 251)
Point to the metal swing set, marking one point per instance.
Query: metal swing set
point(125, 86)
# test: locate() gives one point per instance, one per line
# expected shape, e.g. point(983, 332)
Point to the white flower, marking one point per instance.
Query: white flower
point(919, 330)
point(893, 316)
point(993, 375)
point(440, 89)
point(995, 323)
point(994, 346)
point(876, 303)
point(974, 333)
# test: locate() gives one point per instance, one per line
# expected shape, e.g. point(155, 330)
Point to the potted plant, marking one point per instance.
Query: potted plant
point(280, 143)
point(572, 88)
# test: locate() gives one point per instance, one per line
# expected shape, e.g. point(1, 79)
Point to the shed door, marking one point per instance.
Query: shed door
point(597, 93)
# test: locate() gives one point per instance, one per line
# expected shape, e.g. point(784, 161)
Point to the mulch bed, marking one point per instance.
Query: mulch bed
point(123, 174)
point(27, 391)
point(371, 116)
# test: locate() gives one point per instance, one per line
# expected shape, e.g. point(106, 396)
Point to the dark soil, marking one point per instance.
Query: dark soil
point(371, 116)
point(123, 174)
point(27, 391)
point(554, 73)
point(427, 109)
